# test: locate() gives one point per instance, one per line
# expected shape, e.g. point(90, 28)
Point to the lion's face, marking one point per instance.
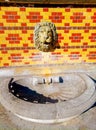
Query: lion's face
point(44, 37)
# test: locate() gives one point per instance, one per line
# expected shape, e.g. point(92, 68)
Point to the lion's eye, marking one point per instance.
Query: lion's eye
point(49, 32)
point(41, 31)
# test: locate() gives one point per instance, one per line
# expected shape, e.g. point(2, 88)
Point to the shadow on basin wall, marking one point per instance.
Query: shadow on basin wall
point(27, 94)
point(94, 105)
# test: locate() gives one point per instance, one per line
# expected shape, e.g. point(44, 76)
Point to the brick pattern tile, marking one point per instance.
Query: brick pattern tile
point(77, 17)
point(11, 16)
point(76, 30)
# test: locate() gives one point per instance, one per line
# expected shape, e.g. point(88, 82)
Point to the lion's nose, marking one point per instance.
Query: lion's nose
point(45, 37)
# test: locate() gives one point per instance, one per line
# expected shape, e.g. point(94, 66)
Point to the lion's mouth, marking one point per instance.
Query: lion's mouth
point(47, 43)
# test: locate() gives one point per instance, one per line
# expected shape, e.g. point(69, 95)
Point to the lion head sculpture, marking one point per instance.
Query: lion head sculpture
point(45, 36)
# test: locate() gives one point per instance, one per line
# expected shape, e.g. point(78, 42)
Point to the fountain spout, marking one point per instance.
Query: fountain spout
point(47, 81)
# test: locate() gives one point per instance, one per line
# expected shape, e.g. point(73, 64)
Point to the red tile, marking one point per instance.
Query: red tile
point(13, 54)
point(34, 13)
point(24, 31)
point(4, 52)
point(65, 44)
point(56, 17)
point(12, 21)
point(67, 10)
point(74, 55)
point(11, 42)
point(11, 16)
point(93, 37)
point(27, 63)
point(1, 58)
point(34, 17)
point(18, 54)
point(22, 9)
point(76, 37)
point(10, 12)
point(4, 16)
point(60, 37)
point(45, 9)
point(86, 31)
point(84, 49)
point(54, 13)
point(92, 52)
point(66, 31)
point(79, 21)
point(25, 45)
point(23, 24)
point(75, 52)
point(14, 38)
point(1, 24)
point(92, 55)
point(66, 49)
point(17, 42)
point(78, 13)
point(58, 53)
point(13, 12)
point(57, 21)
point(6, 64)
point(25, 51)
point(54, 53)
point(17, 17)
point(88, 9)
point(50, 17)
point(67, 24)
point(1, 31)
point(31, 38)
point(39, 17)
point(92, 58)
point(75, 21)
point(28, 17)
point(3, 45)
point(59, 13)
point(85, 46)
point(77, 17)
point(54, 21)
point(94, 18)
point(17, 61)
point(85, 43)
point(87, 24)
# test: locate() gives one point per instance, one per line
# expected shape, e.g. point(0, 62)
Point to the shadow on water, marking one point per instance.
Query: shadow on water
point(27, 94)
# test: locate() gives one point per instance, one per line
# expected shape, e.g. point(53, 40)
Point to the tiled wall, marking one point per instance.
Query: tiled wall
point(76, 28)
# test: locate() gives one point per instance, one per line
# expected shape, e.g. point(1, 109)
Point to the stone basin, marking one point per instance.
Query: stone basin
point(75, 94)
point(64, 87)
